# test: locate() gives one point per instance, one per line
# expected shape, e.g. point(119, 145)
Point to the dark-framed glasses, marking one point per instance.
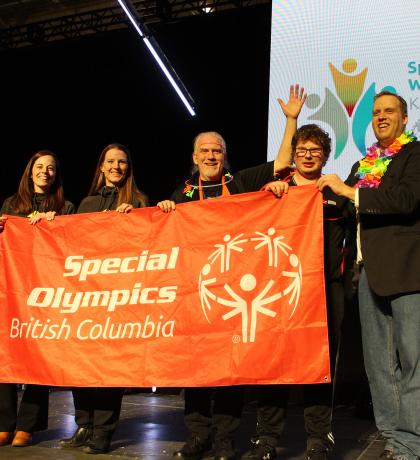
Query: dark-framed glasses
point(314, 152)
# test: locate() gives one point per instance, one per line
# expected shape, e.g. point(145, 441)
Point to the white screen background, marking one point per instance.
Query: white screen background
point(382, 37)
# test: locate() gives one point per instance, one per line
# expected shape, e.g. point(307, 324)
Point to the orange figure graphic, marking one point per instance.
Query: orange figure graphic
point(348, 87)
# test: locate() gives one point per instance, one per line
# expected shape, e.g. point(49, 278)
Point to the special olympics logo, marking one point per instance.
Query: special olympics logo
point(350, 102)
point(228, 287)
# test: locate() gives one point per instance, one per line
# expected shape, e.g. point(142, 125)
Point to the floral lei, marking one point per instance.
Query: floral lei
point(374, 165)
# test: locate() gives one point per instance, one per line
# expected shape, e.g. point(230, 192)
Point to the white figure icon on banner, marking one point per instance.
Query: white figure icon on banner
point(242, 300)
point(296, 284)
point(224, 251)
point(240, 306)
point(274, 245)
point(204, 292)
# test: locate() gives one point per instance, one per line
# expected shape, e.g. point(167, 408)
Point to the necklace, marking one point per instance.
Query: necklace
point(189, 188)
point(374, 165)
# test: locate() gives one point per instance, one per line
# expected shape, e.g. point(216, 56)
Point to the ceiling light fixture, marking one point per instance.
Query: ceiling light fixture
point(158, 55)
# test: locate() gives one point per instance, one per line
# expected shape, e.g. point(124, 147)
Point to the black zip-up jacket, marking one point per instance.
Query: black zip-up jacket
point(106, 199)
point(38, 204)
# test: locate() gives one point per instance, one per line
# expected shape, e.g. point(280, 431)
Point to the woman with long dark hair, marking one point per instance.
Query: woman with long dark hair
point(97, 410)
point(113, 187)
point(40, 195)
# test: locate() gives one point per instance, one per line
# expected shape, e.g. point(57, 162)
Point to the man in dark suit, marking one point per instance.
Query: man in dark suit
point(385, 187)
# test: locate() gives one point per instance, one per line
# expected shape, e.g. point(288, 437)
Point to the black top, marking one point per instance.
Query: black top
point(106, 199)
point(335, 222)
point(247, 180)
point(38, 204)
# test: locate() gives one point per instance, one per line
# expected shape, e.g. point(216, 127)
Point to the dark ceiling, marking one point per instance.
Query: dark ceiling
point(74, 94)
point(34, 22)
point(15, 13)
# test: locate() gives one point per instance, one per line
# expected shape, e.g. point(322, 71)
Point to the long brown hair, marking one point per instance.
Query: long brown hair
point(127, 189)
point(54, 201)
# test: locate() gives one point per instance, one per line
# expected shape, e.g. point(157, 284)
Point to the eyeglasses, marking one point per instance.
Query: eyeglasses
point(315, 152)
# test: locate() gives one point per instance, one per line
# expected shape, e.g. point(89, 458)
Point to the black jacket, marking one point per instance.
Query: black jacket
point(247, 180)
point(106, 199)
point(37, 205)
point(390, 225)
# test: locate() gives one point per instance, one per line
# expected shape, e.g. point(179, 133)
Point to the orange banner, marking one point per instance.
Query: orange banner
point(220, 292)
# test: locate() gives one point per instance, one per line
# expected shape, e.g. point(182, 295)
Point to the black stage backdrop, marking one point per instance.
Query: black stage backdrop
point(77, 96)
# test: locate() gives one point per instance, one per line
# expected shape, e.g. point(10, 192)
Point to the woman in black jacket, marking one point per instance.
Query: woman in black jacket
point(97, 410)
point(113, 187)
point(40, 195)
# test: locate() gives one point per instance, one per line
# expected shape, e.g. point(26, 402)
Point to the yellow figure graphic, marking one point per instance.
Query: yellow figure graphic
point(348, 87)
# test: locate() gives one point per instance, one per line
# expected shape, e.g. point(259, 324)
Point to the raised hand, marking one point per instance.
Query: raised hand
point(297, 98)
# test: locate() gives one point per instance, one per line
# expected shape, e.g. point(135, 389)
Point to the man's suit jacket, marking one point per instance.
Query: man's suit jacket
point(390, 225)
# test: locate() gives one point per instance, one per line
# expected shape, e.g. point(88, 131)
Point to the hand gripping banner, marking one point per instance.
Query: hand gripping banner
point(221, 292)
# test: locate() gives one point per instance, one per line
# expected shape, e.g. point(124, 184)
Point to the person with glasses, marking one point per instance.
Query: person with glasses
point(311, 148)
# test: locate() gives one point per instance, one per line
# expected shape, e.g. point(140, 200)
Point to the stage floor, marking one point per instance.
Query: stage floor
point(151, 428)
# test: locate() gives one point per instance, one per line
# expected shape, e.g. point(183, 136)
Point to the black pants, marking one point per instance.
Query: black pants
point(33, 411)
point(213, 411)
point(272, 399)
point(98, 408)
point(335, 314)
point(272, 411)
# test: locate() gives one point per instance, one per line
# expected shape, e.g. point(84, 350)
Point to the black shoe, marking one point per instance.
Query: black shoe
point(224, 449)
point(80, 438)
point(387, 454)
point(194, 449)
point(260, 451)
point(98, 445)
point(318, 453)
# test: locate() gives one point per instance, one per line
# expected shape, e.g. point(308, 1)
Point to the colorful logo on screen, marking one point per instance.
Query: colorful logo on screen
point(349, 111)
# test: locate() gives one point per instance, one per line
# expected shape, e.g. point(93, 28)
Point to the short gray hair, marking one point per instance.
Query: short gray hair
point(194, 168)
point(209, 133)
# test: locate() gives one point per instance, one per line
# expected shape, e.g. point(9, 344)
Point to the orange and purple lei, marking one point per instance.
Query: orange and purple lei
point(374, 165)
